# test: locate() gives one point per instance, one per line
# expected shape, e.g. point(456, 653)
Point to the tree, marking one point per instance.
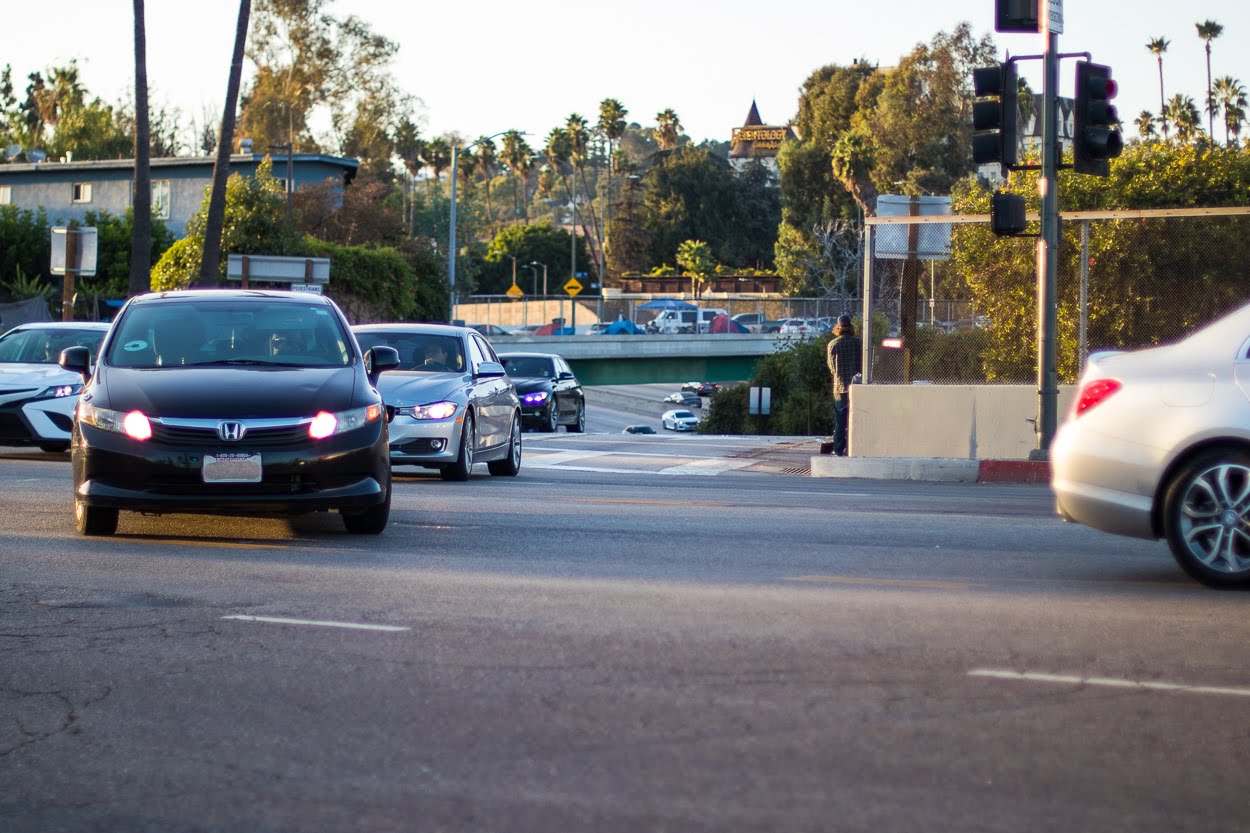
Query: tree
point(517, 155)
point(667, 129)
point(1184, 116)
point(1231, 96)
point(410, 147)
point(534, 243)
point(1209, 30)
point(578, 146)
point(612, 125)
point(1157, 47)
point(1146, 125)
point(487, 162)
point(210, 257)
point(695, 259)
point(141, 243)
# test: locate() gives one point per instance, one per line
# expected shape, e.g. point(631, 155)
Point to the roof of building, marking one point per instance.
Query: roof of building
point(753, 117)
point(173, 162)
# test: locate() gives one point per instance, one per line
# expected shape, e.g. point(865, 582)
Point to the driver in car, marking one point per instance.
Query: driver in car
point(435, 358)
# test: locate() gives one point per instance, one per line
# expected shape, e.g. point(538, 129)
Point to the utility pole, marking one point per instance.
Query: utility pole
point(1048, 245)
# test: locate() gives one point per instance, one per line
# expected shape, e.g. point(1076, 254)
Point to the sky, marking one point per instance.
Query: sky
point(488, 66)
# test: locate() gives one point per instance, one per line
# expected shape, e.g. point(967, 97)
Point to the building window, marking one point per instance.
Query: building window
point(160, 199)
point(82, 192)
point(6, 195)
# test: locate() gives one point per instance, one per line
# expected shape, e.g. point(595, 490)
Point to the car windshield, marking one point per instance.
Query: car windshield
point(529, 367)
point(43, 345)
point(683, 415)
point(178, 333)
point(425, 352)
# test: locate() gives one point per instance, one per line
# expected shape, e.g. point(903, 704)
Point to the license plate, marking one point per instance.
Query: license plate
point(231, 468)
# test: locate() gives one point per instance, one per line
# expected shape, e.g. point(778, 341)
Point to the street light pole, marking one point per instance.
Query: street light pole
point(451, 231)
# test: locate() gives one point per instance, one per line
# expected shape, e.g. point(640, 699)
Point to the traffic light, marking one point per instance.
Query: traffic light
point(1015, 16)
point(1007, 214)
point(1096, 135)
point(994, 117)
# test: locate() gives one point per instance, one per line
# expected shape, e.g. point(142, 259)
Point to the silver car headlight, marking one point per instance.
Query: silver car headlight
point(59, 391)
point(436, 410)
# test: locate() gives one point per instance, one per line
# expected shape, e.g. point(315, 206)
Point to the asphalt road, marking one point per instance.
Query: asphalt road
point(615, 643)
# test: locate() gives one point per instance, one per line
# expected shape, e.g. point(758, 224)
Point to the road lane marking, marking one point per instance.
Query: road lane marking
point(628, 502)
point(1107, 682)
point(859, 581)
point(349, 625)
point(709, 467)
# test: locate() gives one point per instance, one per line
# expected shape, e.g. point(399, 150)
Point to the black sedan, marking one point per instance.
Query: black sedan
point(230, 402)
point(701, 388)
point(550, 394)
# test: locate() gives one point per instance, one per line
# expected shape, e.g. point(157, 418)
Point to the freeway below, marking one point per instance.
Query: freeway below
point(624, 637)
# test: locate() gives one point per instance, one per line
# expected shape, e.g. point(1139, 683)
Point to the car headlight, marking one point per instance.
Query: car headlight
point(133, 424)
point(59, 391)
point(436, 410)
point(536, 398)
point(326, 424)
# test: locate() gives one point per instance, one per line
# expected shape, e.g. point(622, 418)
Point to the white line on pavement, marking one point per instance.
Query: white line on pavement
point(1108, 682)
point(350, 625)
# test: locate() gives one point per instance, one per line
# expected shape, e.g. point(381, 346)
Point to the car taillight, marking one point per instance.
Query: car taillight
point(1094, 393)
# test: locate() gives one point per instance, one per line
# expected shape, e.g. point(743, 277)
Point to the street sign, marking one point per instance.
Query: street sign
point(514, 291)
point(572, 286)
point(1054, 16)
point(84, 251)
point(760, 401)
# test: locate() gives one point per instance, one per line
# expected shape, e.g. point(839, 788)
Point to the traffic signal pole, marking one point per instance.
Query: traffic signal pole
point(1048, 252)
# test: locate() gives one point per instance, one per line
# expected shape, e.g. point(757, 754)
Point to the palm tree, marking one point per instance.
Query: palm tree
point(557, 152)
point(1157, 47)
point(1231, 96)
point(1183, 114)
point(516, 155)
point(667, 129)
point(487, 161)
point(210, 260)
point(579, 142)
point(141, 234)
point(437, 157)
point(1146, 125)
point(612, 125)
point(1209, 30)
point(409, 147)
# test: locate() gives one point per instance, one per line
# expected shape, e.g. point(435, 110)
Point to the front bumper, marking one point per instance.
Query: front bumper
point(348, 471)
point(537, 415)
point(37, 421)
point(425, 442)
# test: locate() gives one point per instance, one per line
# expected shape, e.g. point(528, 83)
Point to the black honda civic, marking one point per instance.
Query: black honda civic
point(232, 402)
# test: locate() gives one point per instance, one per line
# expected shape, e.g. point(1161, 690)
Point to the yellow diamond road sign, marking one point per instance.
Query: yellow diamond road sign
point(573, 286)
point(514, 291)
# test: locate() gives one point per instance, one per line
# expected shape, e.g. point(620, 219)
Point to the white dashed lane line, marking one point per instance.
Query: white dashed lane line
point(1108, 682)
point(276, 620)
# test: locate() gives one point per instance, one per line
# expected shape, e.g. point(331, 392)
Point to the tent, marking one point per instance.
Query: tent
point(724, 324)
point(623, 326)
point(660, 304)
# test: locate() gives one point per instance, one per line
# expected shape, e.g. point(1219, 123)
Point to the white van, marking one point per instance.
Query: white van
point(683, 321)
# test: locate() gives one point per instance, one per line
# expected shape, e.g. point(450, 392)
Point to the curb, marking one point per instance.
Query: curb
point(932, 469)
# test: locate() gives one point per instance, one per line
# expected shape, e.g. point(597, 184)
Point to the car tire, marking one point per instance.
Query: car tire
point(553, 418)
point(1206, 518)
point(371, 521)
point(579, 424)
point(460, 470)
point(94, 520)
point(509, 466)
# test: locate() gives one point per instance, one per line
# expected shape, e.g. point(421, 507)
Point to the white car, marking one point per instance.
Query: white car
point(37, 396)
point(1158, 446)
point(679, 421)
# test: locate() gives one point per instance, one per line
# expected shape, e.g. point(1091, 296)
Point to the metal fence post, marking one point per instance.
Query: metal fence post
point(869, 251)
point(1083, 348)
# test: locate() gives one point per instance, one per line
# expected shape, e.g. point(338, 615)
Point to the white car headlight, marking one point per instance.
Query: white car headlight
point(436, 410)
point(326, 424)
point(59, 391)
point(133, 424)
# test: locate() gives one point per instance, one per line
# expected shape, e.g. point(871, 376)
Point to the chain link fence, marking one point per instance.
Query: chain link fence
point(1126, 280)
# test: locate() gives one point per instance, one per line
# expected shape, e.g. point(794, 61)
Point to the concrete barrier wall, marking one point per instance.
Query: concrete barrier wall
point(974, 422)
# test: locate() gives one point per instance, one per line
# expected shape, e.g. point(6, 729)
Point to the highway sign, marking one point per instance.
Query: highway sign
point(514, 291)
point(572, 286)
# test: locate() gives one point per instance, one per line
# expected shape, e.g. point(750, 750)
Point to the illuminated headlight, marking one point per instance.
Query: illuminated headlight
point(59, 391)
point(326, 424)
point(133, 424)
point(535, 398)
point(436, 410)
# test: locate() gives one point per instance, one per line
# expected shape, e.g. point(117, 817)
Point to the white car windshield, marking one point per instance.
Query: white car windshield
point(39, 345)
point(683, 415)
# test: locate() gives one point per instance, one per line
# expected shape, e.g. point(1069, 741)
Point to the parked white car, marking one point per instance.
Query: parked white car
point(37, 396)
point(679, 421)
point(671, 321)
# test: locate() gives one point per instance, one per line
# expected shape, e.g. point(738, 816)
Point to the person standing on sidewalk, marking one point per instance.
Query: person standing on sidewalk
point(845, 360)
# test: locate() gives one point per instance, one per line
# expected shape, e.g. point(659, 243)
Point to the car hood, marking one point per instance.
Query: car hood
point(531, 384)
point(220, 392)
point(31, 375)
point(402, 388)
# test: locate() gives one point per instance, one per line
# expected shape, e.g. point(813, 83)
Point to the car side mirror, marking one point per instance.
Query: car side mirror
point(76, 360)
point(564, 375)
point(490, 369)
point(379, 360)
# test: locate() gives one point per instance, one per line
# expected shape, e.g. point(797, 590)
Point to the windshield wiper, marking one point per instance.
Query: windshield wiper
point(252, 362)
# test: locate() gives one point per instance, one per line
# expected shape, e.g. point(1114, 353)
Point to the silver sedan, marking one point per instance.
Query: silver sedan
point(1158, 446)
point(453, 405)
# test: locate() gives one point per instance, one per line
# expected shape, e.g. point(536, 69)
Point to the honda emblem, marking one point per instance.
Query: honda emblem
point(231, 431)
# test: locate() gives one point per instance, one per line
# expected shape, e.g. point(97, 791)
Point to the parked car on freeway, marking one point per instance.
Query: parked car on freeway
point(638, 429)
point(1158, 446)
point(452, 403)
point(230, 402)
point(491, 330)
point(802, 327)
point(549, 391)
point(37, 396)
point(685, 397)
point(671, 321)
point(680, 420)
point(701, 388)
point(753, 321)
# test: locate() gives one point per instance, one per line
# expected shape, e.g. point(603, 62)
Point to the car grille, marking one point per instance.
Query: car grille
point(284, 484)
point(205, 436)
